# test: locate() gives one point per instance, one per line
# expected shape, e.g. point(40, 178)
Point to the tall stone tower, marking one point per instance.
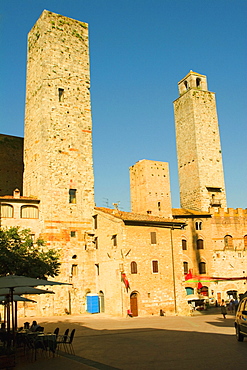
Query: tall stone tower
point(150, 188)
point(58, 165)
point(58, 125)
point(200, 167)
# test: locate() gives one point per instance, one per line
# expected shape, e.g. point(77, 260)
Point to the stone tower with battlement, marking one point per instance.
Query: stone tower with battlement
point(58, 124)
point(200, 166)
point(150, 188)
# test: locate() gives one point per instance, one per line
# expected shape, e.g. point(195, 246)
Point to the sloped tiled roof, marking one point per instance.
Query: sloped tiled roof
point(138, 217)
point(184, 212)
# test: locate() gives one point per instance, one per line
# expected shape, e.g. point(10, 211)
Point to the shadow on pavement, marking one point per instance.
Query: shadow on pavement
point(145, 348)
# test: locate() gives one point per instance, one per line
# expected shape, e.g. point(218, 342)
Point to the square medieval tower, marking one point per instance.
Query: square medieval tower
point(58, 125)
point(200, 167)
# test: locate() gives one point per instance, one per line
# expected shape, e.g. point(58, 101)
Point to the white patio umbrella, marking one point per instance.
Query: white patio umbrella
point(13, 281)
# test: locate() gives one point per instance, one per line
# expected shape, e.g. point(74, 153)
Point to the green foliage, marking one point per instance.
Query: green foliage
point(21, 256)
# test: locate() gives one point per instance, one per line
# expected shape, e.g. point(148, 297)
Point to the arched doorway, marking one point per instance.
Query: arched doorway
point(134, 303)
point(101, 301)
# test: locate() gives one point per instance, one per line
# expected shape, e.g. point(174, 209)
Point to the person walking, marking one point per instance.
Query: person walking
point(223, 308)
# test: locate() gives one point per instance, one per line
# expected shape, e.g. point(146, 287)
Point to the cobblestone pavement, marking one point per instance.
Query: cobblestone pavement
point(204, 341)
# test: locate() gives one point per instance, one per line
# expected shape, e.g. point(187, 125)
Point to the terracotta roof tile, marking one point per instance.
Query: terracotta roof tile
point(188, 212)
point(130, 216)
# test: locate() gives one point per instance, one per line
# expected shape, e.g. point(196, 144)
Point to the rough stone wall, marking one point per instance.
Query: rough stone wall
point(58, 150)
point(58, 125)
point(150, 188)
point(198, 150)
point(155, 290)
point(220, 261)
point(11, 164)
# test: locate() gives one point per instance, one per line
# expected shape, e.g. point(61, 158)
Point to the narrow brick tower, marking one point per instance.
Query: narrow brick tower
point(150, 188)
point(58, 125)
point(200, 167)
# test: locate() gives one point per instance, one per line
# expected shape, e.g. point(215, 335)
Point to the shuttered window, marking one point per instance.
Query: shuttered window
point(7, 210)
point(184, 244)
point(29, 212)
point(199, 244)
point(133, 267)
point(186, 267)
point(202, 268)
point(228, 240)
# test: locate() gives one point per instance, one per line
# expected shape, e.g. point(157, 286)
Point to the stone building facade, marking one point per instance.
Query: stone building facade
point(138, 260)
point(11, 163)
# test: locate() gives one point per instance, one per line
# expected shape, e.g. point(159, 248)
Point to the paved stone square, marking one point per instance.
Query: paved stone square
point(204, 341)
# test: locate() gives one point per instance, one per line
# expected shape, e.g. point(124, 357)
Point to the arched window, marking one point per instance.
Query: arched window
point(199, 244)
point(198, 82)
point(29, 212)
point(186, 85)
point(202, 268)
point(7, 210)
point(184, 244)
point(133, 267)
point(189, 290)
point(186, 267)
point(245, 241)
point(228, 242)
point(198, 225)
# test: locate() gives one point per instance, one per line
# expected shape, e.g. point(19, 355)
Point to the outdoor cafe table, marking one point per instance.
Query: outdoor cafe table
point(38, 340)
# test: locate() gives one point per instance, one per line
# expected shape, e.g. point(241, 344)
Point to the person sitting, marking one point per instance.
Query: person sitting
point(3, 332)
point(35, 326)
point(26, 325)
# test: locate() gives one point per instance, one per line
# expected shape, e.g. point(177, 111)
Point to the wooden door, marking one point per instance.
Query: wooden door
point(134, 304)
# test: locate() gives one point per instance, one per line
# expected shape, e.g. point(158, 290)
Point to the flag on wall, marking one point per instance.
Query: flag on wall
point(125, 281)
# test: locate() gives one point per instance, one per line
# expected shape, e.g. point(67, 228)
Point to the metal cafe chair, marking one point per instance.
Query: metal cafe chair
point(62, 339)
point(69, 343)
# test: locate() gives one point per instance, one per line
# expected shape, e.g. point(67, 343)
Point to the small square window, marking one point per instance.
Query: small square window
point(153, 237)
point(72, 234)
point(60, 95)
point(155, 267)
point(95, 222)
point(184, 244)
point(72, 196)
point(74, 270)
point(114, 240)
point(96, 242)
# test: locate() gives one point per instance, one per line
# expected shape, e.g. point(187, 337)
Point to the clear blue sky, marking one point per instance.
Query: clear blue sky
point(139, 50)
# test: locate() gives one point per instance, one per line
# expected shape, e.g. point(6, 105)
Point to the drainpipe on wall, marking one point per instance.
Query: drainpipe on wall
point(173, 273)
